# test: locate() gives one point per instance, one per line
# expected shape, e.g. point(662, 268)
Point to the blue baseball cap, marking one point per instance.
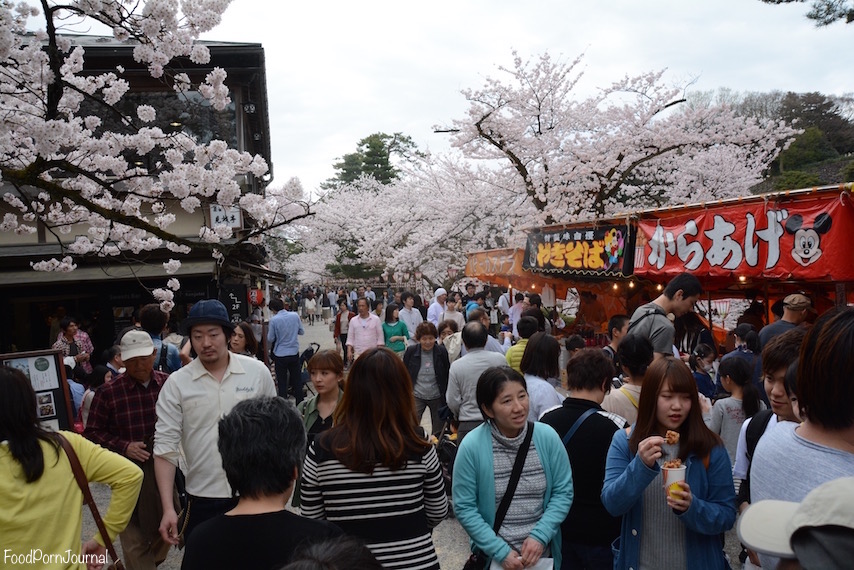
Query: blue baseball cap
point(208, 312)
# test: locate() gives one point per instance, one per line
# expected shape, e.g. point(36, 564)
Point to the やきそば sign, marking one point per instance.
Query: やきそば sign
point(600, 250)
point(801, 239)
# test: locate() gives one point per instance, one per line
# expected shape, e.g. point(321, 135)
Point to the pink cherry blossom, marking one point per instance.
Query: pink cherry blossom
point(63, 171)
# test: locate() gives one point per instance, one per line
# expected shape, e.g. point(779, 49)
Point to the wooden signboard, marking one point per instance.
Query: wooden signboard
point(46, 372)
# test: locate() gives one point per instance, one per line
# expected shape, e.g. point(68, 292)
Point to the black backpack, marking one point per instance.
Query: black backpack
point(162, 366)
point(757, 426)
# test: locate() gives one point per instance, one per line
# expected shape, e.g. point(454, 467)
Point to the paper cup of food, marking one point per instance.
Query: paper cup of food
point(673, 474)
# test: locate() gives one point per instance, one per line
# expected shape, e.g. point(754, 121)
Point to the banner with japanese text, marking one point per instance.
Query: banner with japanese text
point(803, 239)
point(600, 251)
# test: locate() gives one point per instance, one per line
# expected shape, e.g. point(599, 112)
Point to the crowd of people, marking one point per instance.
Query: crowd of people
point(642, 455)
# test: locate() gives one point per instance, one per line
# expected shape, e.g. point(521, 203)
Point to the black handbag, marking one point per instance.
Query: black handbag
point(478, 559)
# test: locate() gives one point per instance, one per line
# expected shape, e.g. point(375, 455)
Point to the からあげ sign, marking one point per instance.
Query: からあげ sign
point(585, 251)
point(802, 239)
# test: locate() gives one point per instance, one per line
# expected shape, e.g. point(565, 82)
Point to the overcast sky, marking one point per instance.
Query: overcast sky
point(338, 71)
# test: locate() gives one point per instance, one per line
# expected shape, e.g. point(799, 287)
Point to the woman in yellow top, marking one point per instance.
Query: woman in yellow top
point(40, 502)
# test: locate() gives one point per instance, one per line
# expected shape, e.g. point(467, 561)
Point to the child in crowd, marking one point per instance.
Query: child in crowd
point(702, 363)
point(683, 527)
point(729, 413)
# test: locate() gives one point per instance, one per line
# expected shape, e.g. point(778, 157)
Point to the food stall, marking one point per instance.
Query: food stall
point(772, 243)
point(762, 246)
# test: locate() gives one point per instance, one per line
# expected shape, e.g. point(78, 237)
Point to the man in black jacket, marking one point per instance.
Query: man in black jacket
point(588, 530)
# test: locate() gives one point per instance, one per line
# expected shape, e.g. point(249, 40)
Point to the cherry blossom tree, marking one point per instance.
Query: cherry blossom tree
point(531, 152)
point(62, 167)
point(634, 144)
point(426, 220)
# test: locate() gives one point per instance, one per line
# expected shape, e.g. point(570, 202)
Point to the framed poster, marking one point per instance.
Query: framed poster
point(46, 373)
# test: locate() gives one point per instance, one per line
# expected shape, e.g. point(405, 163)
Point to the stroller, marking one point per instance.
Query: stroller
point(446, 450)
point(304, 357)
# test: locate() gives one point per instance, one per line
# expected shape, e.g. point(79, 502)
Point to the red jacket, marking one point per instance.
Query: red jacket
point(337, 332)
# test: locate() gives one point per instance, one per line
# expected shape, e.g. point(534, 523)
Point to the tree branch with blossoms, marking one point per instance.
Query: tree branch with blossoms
point(69, 153)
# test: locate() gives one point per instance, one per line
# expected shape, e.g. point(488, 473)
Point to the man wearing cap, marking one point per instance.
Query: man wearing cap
point(795, 309)
point(122, 419)
point(437, 307)
point(188, 409)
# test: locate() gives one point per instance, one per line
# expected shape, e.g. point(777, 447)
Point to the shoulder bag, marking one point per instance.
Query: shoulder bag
point(83, 483)
point(577, 425)
point(478, 560)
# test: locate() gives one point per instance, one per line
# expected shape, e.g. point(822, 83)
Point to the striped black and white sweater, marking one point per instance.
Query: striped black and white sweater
point(392, 511)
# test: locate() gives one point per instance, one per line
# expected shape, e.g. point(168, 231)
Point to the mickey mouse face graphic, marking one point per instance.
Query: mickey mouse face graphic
point(807, 247)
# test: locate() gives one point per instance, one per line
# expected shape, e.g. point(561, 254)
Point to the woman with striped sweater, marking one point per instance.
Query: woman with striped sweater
point(373, 473)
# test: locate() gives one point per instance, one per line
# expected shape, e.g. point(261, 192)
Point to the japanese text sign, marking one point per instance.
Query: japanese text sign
point(226, 216)
point(803, 239)
point(600, 250)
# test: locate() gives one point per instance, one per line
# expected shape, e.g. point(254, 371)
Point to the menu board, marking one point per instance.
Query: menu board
point(46, 373)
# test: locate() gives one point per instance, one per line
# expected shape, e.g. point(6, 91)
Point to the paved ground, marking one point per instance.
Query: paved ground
point(450, 539)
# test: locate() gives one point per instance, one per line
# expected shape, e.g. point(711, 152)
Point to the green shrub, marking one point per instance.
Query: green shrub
point(794, 179)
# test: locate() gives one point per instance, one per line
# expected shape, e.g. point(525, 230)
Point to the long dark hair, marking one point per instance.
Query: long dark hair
point(695, 437)
point(687, 330)
point(389, 313)
point(751, 342)
point(541, 357)
point(96, 379)
point(739, 371)
point(375, 423)
point(249, 335)
point(19, 424)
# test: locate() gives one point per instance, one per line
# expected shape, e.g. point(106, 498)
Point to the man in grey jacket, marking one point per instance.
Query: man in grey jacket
point(464, 374)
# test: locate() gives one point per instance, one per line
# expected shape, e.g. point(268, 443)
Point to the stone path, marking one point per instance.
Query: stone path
point(450, 539)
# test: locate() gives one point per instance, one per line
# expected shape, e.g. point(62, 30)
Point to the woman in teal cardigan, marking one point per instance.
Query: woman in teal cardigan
point(481, 476)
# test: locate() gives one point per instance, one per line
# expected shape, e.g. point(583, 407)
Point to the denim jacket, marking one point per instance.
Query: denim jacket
point(711, 513)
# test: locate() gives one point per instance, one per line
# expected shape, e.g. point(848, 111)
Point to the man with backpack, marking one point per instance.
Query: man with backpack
point(651, 320)
point(152, 319)
point(780, 353)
